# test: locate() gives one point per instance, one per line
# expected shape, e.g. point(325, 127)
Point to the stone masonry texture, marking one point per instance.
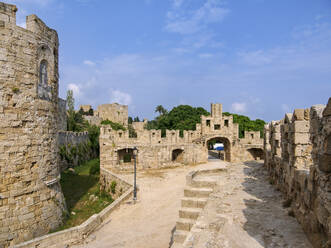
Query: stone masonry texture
point(31, 200)
point(298, 156)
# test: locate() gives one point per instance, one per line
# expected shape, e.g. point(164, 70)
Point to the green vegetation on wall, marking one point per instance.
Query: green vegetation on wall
point(182, 117)
point(114, 125)
point(246, 124)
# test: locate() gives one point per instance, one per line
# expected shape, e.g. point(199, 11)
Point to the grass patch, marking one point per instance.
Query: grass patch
point(82, 194)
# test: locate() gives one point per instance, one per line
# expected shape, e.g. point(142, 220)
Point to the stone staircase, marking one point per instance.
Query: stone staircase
point(195, 198)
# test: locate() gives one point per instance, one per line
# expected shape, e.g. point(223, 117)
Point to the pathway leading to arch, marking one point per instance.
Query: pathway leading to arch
point(150, 222)
point(246, 210)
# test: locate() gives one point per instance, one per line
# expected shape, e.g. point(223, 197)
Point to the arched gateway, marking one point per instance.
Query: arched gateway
point(226, 143)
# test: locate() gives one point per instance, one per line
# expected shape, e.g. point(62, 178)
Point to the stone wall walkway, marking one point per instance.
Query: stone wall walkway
point(246, 212)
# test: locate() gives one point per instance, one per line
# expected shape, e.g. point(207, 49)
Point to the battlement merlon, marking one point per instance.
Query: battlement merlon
point(216, 110)
point(33, 22)
point(37, 26)
point(8, 13)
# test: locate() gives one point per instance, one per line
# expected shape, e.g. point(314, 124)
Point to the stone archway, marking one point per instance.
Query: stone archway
point(226, 143)
point(256, 153)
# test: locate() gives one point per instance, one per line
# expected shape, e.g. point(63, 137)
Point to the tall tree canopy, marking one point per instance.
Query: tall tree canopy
point(185, 117)
point(182, 117)
point(246, 124)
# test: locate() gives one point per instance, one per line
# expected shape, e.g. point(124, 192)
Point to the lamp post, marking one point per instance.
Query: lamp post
point(135, 151)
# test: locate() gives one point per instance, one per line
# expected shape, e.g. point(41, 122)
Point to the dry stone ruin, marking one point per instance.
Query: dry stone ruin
point(298, 157)
point(31, 201)
point(154, 151)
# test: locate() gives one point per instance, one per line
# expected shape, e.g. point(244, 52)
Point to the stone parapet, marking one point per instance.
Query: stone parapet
point(300, 167)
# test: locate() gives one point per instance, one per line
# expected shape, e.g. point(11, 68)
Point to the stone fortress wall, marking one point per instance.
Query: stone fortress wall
point(72, 138)
point(154, 151)
point(31, 200)
point(113, 112)
point(298, 157)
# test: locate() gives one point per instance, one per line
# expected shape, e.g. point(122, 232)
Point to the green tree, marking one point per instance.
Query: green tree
point(136, 119)
point(75, 120)
point(182, 117)
point(130, 120)
point(161, 110)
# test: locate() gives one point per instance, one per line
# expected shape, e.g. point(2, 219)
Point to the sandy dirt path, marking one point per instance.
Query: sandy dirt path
point(150, 222)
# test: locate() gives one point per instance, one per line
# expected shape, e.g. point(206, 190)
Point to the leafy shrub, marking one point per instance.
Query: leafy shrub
point(95, 169)
point(114, 125)
point(113, 187)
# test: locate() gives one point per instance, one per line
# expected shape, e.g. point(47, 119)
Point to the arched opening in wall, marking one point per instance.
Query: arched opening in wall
point(219, 148)
point(177, 156)
point(125, 156)
point(256, 153)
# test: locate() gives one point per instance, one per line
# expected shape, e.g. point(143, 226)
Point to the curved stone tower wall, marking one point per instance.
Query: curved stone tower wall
point(31, 200)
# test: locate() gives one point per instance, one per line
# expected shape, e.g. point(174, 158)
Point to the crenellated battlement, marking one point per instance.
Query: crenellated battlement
point(298, 156)
point(7, 14)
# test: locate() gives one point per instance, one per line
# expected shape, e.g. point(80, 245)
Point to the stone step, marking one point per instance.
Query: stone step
point(184, 224)
point(180, 236)
point(189, 213)
point(204, 183)
point(197, 192)
point(193, 202)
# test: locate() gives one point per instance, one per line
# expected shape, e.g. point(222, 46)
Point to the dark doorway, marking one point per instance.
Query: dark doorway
point(257, 153)
point(125, 156)
point(178, 155)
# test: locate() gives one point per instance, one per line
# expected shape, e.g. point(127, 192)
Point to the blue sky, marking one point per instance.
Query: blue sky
point(260, 58)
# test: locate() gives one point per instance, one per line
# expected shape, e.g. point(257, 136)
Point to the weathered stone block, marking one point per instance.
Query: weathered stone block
point(301, 126)
point(301, 138)
point(298, 115)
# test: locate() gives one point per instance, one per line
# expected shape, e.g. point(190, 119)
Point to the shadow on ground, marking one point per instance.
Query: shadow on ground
point(267, 221)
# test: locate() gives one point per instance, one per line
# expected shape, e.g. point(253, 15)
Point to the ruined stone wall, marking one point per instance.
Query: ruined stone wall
point(113, 112)
point(297, 155)
point(31, 200)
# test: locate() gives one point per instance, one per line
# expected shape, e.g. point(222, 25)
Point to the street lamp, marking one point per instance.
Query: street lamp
point(135, 151)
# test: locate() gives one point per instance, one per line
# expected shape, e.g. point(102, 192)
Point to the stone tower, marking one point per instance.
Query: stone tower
point(216, 110)
point(31, 200)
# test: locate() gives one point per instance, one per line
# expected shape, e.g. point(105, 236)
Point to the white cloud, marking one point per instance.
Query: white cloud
point(239, 107)
point(89, 63)
point(120, 97)
point(184, 21)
